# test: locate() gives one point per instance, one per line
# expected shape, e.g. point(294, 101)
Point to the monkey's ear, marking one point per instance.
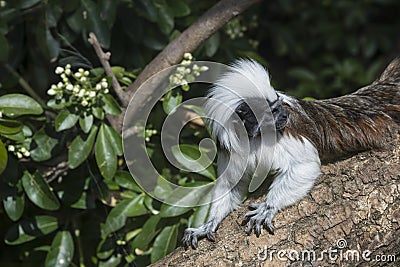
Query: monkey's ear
point(281, 117)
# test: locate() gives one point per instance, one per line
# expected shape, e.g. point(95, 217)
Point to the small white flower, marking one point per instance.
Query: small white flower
point(104, 80)
point(19, 155)
point(180, 69)
point(53, 86)
point(188, 56)
point(26, 153)
point(185, 62)
point(60, 85)
point(81, 93)
point(104, 84)
point(81, 70)
point(65, 80)
point(11, 148)
point(92, 94)
point(76, 90)
point(83, 79)
point(68, 72)
point(3, 3)
point(69, 87)
point(86, 73)
point(78, 75)
point(23, 149)
point(63, 76)
point(59, 70)
point(203, 68)
point(106, 91)
point(98, 86)
point(195, 67)
point(84, 103)
point(51, 91)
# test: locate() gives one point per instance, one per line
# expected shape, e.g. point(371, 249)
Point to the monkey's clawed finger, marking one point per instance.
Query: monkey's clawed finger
point(260, 217)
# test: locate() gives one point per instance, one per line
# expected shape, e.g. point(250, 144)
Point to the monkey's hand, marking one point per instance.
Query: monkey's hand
point(261, 215)
point(192, 235)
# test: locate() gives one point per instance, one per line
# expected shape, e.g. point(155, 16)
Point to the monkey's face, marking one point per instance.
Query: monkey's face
point(255, 116)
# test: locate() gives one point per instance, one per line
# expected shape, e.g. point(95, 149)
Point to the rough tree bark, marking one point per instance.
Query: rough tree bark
point(353, 209)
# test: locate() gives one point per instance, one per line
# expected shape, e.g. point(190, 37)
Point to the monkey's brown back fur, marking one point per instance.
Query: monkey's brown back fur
point(348, 124)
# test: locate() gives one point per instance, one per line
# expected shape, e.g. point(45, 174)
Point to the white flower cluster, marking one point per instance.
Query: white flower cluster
point(77, 86)
point(186, 74)
point(19, 150)
point(234, 29)
point(148, 133)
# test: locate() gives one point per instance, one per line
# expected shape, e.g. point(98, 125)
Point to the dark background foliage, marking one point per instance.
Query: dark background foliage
point(314, 49)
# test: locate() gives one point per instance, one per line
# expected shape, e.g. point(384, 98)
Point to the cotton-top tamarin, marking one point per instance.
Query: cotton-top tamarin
point(258, 129)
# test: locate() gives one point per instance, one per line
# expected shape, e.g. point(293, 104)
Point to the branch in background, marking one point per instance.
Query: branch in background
point(25, 85)
point(209, 23)
point(56, 171)
point(190, 39)
point(104, 60)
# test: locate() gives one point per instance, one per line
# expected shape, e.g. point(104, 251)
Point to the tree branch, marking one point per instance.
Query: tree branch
point(104, 60)
point(187, 41)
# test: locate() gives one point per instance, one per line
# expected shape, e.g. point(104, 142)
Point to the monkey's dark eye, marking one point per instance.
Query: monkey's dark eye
point(248, 118)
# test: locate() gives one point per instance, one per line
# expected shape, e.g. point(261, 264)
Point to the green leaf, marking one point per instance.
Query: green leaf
point(75, 21)
point(14, 105)
point(14, 201)
point(149, 231)
point(126, 208)
point(80, 148)
point(98, 112)
point(86, 123)
point(199, 217)
point(61, 251)
point(4, 48)
point(65, 120)
point(179, 7)
point(39, 192)
point(3, 157)
point(191, 158)
point(165, 242)
point(28, 230)
point(182, 201)
point(96, 24)
point(114, 138)
point(45, 145)
point(53, 46)
point(111, 105)
point(10, 126)
point(150, 11)
point(172, 211)
point(19, 136)
point(212, 44)
point(171, 100)
point(113, 261)
point(27, 3)
point(56, 104)
point(125, 179)
point(165, 19)
point(106, 157)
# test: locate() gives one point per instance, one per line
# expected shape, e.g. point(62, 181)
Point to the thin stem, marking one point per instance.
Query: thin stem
point(24, 84)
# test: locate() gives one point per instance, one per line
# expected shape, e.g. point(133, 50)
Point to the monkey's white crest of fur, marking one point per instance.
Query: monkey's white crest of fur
point(245, 79)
